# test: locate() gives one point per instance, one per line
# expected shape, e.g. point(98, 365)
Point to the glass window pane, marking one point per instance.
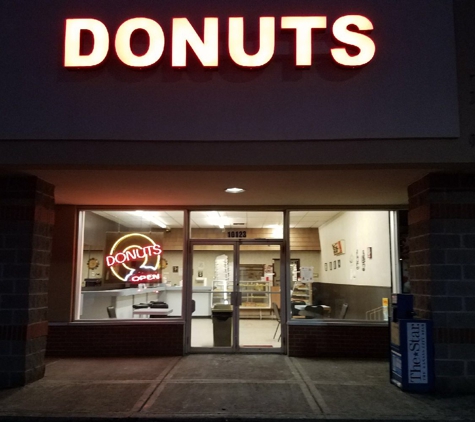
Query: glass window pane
point(131, 265)
point(236, 225)
point(340, 265)
point(259, 314)
point(212, 287)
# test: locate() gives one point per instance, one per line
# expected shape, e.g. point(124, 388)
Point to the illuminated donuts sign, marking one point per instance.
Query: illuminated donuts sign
point(350, 32)
point(135, 258)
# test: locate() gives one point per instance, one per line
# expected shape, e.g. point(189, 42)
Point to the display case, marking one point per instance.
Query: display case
point(294, 270)
point(251, 272)
point(222, 292)
point(222, 282)
point(255, 294)
point(302, 292)
point(255, 285)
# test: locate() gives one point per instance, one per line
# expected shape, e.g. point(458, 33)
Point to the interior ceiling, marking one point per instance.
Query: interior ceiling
point(205, 188)
point(237, 220)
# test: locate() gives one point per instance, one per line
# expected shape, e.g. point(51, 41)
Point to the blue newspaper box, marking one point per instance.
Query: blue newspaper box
point(412, 358)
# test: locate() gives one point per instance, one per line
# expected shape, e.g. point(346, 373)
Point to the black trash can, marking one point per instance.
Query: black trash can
point(222, 325)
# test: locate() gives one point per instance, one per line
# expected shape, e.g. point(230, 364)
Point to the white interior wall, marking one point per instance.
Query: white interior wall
point(359, 230)
point(309, 259)
point(97, 272)
point(204, 261)
point(174, 259)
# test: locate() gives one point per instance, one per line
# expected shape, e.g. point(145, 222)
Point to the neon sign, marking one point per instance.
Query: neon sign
point(135, 258)
point(144, 278)
point(132, 255)
point(349, 30)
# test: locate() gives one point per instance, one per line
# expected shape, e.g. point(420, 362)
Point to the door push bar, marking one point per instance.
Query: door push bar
point(236, 298)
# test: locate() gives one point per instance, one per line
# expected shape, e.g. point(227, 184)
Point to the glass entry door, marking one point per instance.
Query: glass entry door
point(235, 296)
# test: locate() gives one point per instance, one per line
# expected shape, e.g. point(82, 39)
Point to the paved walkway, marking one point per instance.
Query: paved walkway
point(223, 387)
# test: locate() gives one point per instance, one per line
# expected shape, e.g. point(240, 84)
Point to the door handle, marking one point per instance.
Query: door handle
point(236, 298)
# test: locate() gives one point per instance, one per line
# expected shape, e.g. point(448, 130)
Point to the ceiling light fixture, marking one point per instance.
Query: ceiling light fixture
point(216, 219)
point(234, 190)
point(149, 218)
point(277, 230)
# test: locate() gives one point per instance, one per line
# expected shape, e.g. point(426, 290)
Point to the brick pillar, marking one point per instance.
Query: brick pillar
point(26, 222)
point(442, 271)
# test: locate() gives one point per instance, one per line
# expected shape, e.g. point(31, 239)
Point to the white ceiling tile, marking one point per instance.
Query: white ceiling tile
point(200, 219)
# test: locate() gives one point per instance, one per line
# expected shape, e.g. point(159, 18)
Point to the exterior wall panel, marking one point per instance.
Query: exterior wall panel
point(339, 341)
point(26, 225)
point(441, 217)
point(382, 100)
point(112, 340)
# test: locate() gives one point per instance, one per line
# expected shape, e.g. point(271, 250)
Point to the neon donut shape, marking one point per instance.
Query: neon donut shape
point(133, 269)
point(114, 246)
point(138, 247)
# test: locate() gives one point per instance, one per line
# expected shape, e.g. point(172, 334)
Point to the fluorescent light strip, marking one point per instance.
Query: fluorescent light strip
point(151, 219)
point(215, 219)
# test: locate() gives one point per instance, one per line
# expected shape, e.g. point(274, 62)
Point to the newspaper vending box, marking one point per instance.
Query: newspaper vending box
point(411, 363)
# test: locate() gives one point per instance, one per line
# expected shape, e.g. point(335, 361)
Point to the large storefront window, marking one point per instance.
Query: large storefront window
point(131, 265)
point(340, 265)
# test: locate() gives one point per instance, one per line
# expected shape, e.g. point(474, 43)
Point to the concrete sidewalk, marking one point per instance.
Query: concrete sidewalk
point(223, 387)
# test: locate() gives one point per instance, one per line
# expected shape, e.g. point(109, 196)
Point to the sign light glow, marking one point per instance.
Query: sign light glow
point(303, 26)
point(72, 47)
point(344, 30)
point(133, 255)
point(144, 278)
point(120, 256)
point(266, 42)
point(363, 42)
point(206, 50)
point(156, 45)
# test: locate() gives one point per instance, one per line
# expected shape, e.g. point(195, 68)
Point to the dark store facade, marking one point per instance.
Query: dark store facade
point(126, 129)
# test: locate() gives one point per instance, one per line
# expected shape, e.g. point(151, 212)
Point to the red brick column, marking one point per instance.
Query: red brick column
point(26, 222)
point(442, 271)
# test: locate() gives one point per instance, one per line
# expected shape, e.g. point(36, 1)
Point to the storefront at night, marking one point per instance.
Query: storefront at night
point(243, 177)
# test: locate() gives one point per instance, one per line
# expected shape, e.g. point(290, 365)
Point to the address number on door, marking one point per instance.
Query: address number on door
point(237, 233)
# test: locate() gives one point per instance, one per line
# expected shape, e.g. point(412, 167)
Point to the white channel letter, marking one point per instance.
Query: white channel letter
point(206, 50)
point(303, 26)
point(156, 43)
point(72, 43)
point(363, 42)
point(266, 42)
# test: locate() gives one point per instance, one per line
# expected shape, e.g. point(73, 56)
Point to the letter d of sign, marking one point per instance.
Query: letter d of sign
point(72, 43)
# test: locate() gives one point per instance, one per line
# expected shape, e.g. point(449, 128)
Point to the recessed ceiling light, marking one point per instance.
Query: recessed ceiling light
point(234, 190)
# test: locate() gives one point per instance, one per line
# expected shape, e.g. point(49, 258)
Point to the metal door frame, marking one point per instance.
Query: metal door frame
point(188, 287)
